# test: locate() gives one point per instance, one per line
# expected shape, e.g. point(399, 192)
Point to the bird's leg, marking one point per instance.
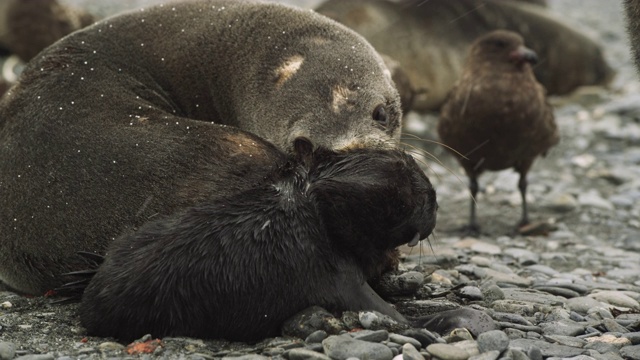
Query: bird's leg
point(473, 227)
point(522, 185)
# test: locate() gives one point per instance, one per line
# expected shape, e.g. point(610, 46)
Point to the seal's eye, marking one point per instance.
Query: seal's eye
point(380, 115)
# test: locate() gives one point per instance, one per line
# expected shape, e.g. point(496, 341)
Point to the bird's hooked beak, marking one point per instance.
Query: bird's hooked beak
point(523, 54)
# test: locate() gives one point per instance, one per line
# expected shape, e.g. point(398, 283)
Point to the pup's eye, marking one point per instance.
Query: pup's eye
point(380, 115)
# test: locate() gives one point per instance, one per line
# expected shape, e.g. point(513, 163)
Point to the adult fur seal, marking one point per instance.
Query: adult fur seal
point(128, 119)
point(430, 40)
point(313, 233)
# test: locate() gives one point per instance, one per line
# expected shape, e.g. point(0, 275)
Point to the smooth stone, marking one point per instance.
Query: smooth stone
point(543, 269)
point(631, 352)
point(374, 320)
point(371, 336)
point(609, 339)
point(471, 292)
point(343, 347)
point(470, 346)
point(36, 357)
point(316, 337)
point(409, 352)
point(524, 257)
point(566, 340)
point(493, 340)
point(447, 352)
point(110, 346)
point(510, 318)
point(489, 355)
point(564, 327)
point(514, 333)
point(602, 348)
point(401, 339)
point(546, 349)
point(634, 337)
point(616, 298)
point(425, 337)
point(500, 277)
point(492, 293)
point(533, 296)
point(592, 198)
point(566, 293)
point(7, 350)
point(305, 354)
point(560, 202)
point(582, 304)
point(515, 354)
point(613, 326)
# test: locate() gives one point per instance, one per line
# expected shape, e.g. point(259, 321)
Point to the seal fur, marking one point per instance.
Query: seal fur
point(134, 116)
point(313, 233)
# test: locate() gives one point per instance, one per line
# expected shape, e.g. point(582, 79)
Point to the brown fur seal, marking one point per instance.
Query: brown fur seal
point(430, 40)
point(311, 234)
point(128, 119)
point(497, 116)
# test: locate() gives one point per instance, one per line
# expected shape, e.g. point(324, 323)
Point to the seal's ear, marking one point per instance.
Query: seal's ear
point(303, 148)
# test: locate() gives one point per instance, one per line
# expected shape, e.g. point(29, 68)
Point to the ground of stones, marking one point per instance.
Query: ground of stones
point(587, 190)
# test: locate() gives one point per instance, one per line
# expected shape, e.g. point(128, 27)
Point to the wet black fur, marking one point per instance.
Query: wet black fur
point(236, 268)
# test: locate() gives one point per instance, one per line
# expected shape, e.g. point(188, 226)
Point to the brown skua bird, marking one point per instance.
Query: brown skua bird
point(497, 117)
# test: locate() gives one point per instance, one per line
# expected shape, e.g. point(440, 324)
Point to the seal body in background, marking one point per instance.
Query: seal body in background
point(137, 116)
point(430, 40)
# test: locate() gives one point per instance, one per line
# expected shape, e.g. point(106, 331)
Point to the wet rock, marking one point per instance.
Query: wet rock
point(7, 350)
point(493, 340)
point(401, 339)
point(447, 352)
point(343, 347)
point(409, 352)
point(631, 352)
point(563, 327)
point(546, 349)
point(316, 337)
point(305, 354)
point(371, 336)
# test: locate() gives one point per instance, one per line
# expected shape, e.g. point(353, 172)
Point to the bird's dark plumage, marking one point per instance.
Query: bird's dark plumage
point(497, 116)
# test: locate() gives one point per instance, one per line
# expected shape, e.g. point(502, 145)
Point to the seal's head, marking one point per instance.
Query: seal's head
point(372, 200)
point(334, 87)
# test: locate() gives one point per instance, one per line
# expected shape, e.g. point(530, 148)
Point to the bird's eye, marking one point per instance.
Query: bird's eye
point(380, 115)
point(500, 43)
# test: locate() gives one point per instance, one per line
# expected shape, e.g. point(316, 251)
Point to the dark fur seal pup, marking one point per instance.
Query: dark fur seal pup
point(430, 40)
point(497, 116)
point(311, 234)
point(126, 119)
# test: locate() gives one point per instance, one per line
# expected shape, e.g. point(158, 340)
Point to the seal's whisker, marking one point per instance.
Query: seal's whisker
point(416, 137)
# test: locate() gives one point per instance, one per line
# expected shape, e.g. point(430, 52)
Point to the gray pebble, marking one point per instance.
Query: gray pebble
point(471, 292)
point(371, 335)
point(515, 333)
point(489, 355)
point(316, 337)
point(563, 327)
point(447, 352)
point(567, 293)
point(527, 328)
point(492, 293)
point(516, 354)
point(401, 339)
point(545, 348)
point(342, 347)
point(305, 354)
point(7, 350)
point(634, 337)
point(631, 352)
point(602, 347)
point(409, 352)
point(493, 340)
point(566, 340)
point(36, 357)
point(613, 326)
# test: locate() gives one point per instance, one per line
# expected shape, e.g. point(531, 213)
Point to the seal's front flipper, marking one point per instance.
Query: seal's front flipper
point(473, 320)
